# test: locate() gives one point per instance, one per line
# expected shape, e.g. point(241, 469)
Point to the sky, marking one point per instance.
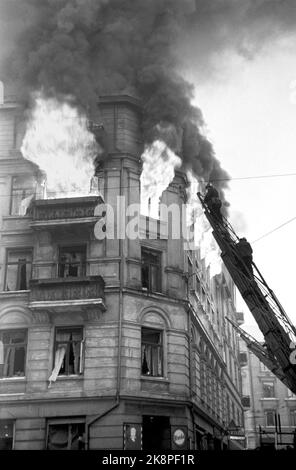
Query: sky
point(250, 112)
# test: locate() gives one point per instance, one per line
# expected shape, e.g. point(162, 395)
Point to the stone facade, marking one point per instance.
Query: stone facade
point(97, 322)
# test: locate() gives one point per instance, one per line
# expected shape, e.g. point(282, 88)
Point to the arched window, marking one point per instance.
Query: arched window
point(153, 344)
point(13, 342)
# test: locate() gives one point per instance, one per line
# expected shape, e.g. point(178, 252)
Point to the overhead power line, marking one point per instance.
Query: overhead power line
point(274, 230)
point(253, 177)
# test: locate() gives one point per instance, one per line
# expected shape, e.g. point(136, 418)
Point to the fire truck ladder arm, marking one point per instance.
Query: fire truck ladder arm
point(262, 353)
point(267, 311)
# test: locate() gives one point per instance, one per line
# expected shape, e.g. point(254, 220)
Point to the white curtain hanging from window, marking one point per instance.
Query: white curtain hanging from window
point(58, 361)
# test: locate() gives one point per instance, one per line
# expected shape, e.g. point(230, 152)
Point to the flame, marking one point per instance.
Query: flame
point(203, 238)
point(58, 141)
point(159, 163)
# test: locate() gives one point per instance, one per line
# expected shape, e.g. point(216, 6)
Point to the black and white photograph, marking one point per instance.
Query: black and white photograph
point(147, 229)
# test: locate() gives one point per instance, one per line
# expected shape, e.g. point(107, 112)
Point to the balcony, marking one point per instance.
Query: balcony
point(72, 294)
point(64, 212)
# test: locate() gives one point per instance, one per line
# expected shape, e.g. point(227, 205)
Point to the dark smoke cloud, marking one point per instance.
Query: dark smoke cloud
point(86, 48)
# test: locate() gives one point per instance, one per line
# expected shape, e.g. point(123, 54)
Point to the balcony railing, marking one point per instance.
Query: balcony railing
point(62, 294)
point(63, 211)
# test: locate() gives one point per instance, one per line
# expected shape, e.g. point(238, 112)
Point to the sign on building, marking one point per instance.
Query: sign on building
point(179, 437)
point(132, 436)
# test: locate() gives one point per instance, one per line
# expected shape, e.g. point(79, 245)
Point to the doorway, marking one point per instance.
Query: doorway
point(156, 433)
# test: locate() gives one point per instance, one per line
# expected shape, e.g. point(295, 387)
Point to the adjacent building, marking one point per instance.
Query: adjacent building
point(113, 343)
point(269, 406)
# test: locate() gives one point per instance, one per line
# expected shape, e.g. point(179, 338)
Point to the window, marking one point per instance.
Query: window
point(6, 434)
point(18, 270)
point(72, 261)
point(190, 275)
point(152, 352)
point(151, 270)
point(66, 435)
point(68, 352)
point(246, 401)
point(22, 193)
point(268, 390)
point(13, 345)
point(293, 418)
point(227, 409)
point(197, 285)
point(243, 359)
point(270, 418)
point(233, 411)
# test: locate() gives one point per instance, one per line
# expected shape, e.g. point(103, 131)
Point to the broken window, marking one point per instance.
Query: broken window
point(268, 390)
point(68, 352)
point(66, 435)
point(22, 193)
point(72, 261)
point(152, 352)
point(151, 270)
point(6, 434)
point(13, 345)
point(18, 270)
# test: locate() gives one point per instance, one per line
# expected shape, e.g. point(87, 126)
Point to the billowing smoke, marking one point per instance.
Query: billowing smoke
point(86, 48)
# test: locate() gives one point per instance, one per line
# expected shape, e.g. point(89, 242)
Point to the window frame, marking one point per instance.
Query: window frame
point(12, 189)
point(159, 346)
point(81, 264)
point(14, 345)
point(293, 417)
point(62, 422)
point(268, 382)
point(158, 254)
point(7, 263)
point(81, 351)
point(266, 412)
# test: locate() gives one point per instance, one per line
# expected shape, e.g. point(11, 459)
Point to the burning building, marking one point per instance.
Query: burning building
point(105, 340)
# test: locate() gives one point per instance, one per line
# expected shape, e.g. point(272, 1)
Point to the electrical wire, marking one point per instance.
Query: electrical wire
point(274, 230)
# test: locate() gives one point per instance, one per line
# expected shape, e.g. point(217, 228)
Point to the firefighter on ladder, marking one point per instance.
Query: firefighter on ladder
point(245, 252)
point(213, 202)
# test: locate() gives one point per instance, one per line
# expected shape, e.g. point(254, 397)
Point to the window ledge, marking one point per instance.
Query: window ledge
point(152, 292)
point(12, 379)
point(70, 377)
point(154, 379)
point(269, 398)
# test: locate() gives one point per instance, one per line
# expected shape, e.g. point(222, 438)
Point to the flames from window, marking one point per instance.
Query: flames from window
point(58, 141)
